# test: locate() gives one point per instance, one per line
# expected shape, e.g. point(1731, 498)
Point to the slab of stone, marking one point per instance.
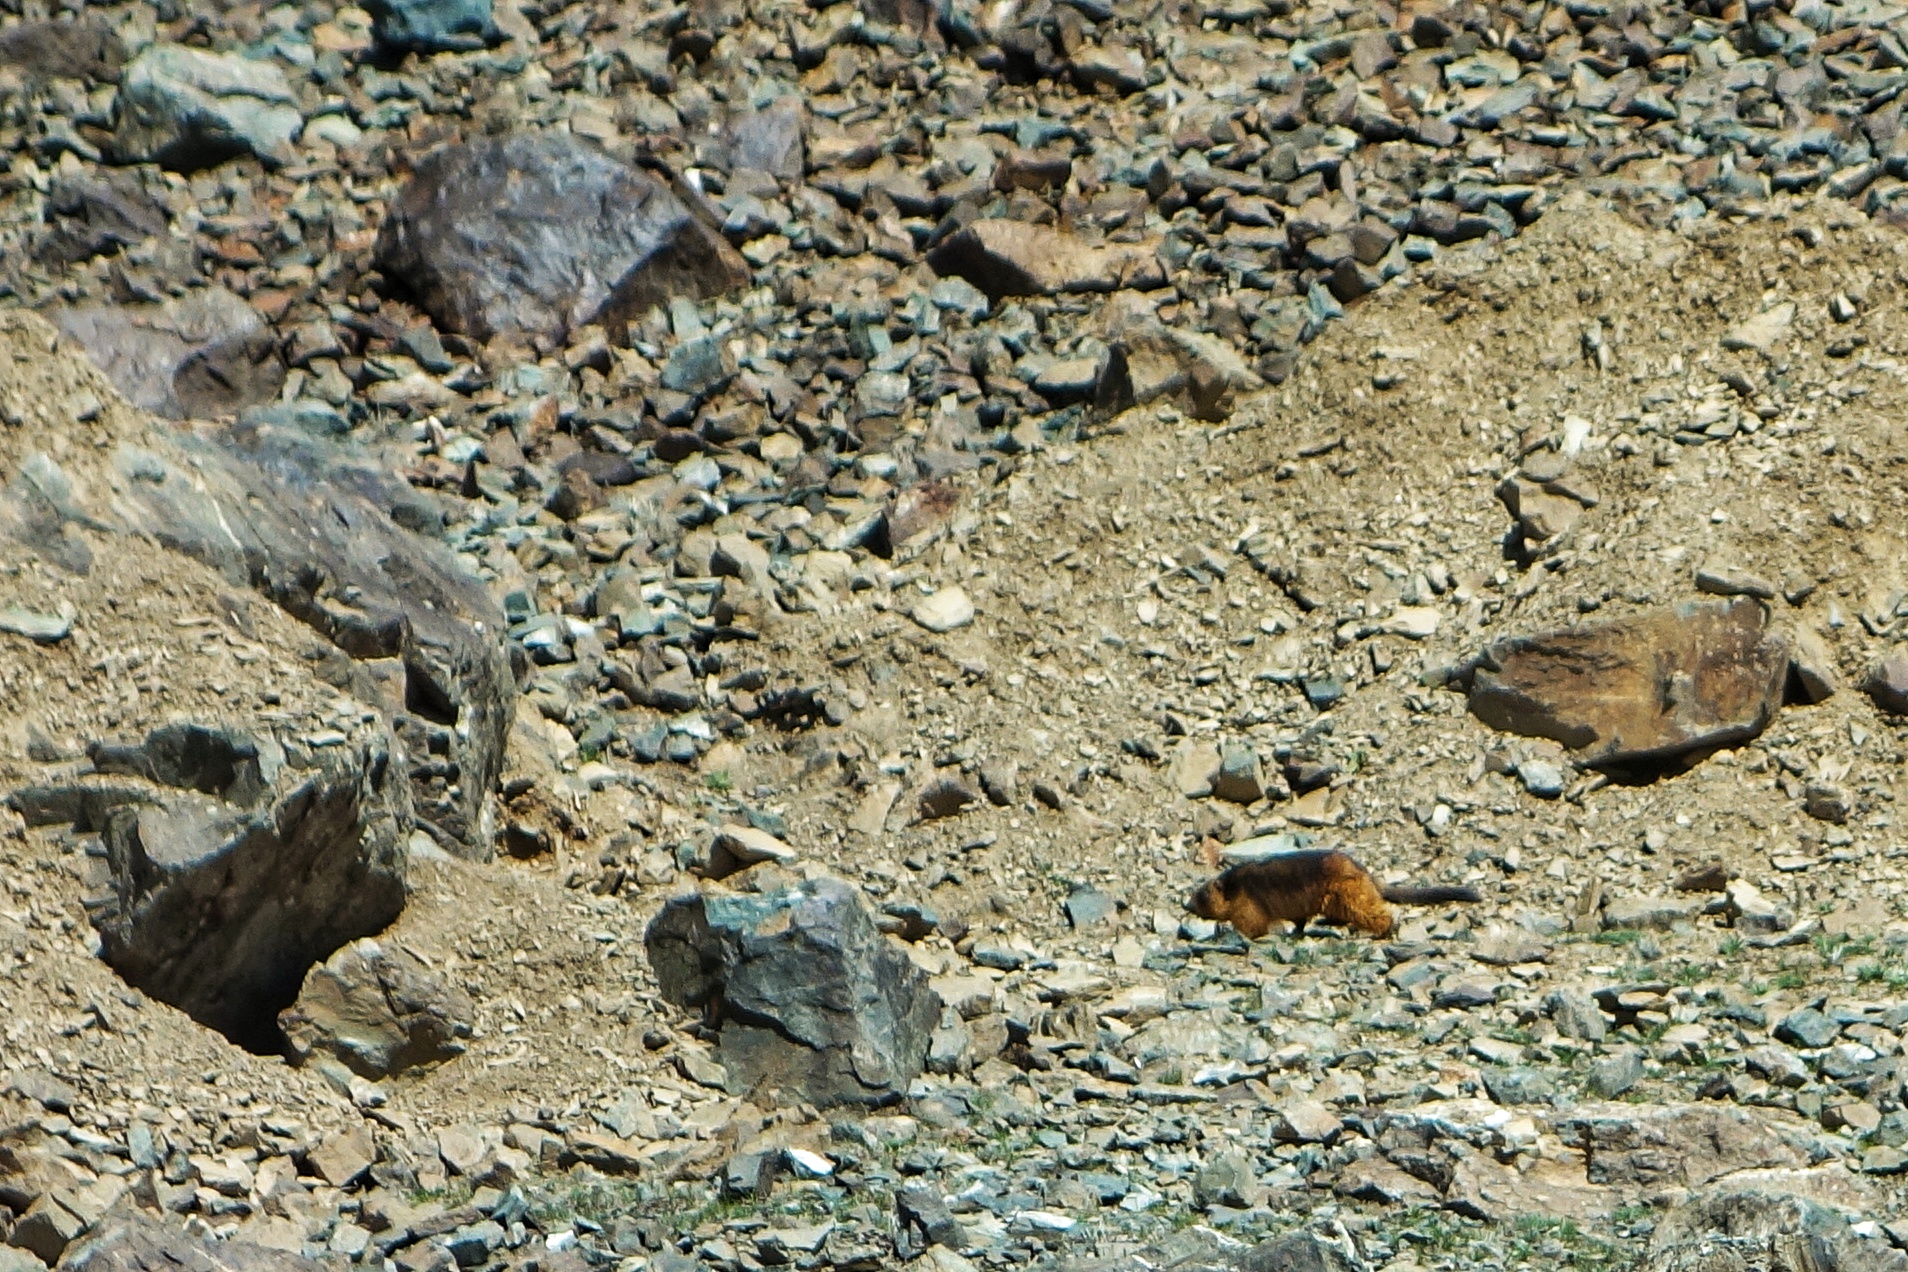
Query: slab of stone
point(202, 355)
point(433, 26)
point(945, 610)
point(188, 108)
point(1638, 691)
point(138, 1243)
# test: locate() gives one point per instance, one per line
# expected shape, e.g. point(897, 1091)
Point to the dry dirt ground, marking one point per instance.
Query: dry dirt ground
point(1118, 619)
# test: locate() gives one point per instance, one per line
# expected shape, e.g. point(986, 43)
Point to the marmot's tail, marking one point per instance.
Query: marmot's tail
point(1426, 896)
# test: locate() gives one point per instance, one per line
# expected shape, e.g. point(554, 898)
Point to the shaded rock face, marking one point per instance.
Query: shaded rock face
point(235, 866)
point(310, 526)
point(1641, 691)
point(377, 1010)
point(534, 235)
point(140, 1244)
point(1736, 1230)
point(206, 353)
point(810, 997)
point(90, 216)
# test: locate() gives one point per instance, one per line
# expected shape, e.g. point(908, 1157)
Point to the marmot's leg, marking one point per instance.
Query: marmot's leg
point(1356, 904)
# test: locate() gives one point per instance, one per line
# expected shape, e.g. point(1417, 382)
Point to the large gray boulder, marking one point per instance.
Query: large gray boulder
point(328, 535)
point(95, 214)
point(533, 235)
point(810, 997)
point(188, 108)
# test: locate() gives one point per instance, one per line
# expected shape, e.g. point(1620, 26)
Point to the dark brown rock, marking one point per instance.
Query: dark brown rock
point(220, 902)
point(534, 235)
point(1887, 683)
point(1642, 690)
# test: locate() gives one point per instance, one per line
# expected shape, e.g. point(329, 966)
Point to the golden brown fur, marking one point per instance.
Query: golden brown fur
point(1296, 887)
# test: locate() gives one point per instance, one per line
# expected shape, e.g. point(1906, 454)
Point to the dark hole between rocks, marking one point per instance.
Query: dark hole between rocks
point(425, 698)
point(1646, 772)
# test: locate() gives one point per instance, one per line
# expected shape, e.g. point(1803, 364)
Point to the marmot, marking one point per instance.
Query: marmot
point(1298, 886)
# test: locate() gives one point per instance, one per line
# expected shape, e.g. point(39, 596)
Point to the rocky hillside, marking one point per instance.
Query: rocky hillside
point(626, 628)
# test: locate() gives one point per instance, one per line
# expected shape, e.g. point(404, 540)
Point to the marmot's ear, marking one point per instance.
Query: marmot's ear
point(1209, 852)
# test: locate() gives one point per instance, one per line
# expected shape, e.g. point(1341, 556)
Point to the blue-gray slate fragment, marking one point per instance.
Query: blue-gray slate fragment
point(433, 26)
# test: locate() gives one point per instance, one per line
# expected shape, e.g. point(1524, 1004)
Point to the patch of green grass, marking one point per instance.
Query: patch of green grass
point(1689, 973)
point(1791, 979)
point(599, 1200)
point(1730, 947)
point(1624, 937)
point(451, 1196)
point(719, 781)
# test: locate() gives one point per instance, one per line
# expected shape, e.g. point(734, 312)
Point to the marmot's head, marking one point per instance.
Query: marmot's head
point(1214, 899)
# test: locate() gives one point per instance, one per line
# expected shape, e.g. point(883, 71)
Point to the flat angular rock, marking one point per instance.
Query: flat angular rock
point(1677, 1145)
point(1760, 333)
point(137, 1243)
point(379, 1011)
point(809, 997)
point(1612, 1075)
point(187, 108)
point(534, 235)
point(203, 354)
point(771, 139)
point(738, 847)
point(42, 629)
point(945, 610)
point(1643, 690)
point(1812, 673)
point(1240, 779)
point(433, 26)
point(1887, 683)
point(1017, 258)
point(1649, 912)
point(91, 215)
